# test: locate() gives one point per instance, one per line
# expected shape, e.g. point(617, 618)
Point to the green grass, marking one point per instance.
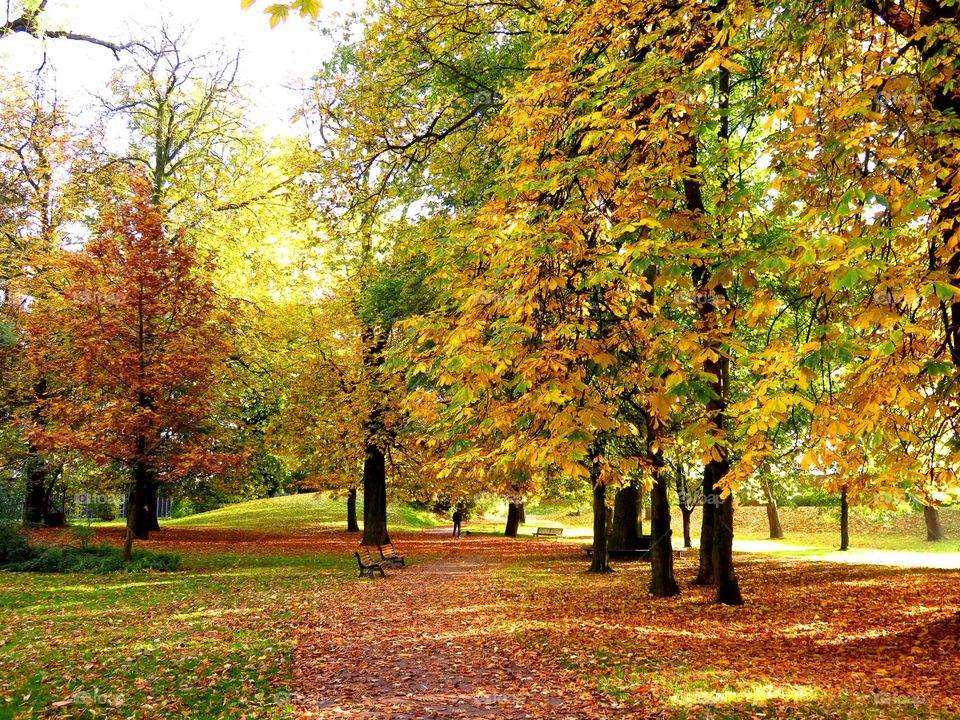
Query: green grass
point(209, 642)
point(299, 513)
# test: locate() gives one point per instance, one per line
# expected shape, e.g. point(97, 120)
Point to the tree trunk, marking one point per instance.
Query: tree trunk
point(931, 517)
point(375, 497)
point(626, 515)
point(662, 581)
point(153, 490)
point(352, 525)
point(137, 526)
point(35, 499)
point(513, 519)
point(705, 573)
point(685, 513)
point(522, 512)
point(773, 519)
point(138, 503)
point(844, 520)
point(728, 588)
point(601, 546)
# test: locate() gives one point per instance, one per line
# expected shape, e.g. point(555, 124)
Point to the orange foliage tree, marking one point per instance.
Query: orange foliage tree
point(132, 334)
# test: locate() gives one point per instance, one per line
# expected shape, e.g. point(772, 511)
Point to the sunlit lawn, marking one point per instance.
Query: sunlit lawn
point(210, 641)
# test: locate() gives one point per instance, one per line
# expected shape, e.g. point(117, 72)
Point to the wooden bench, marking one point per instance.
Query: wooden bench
point(548, 533)
point(368, 566)
point(390, 555)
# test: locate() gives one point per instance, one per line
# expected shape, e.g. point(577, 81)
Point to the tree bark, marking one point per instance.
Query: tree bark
point(138, 502)
point(931, 517)
point(35, 499)
point(705, 573)
point(375, 497)
point(522, 512)
point(626, 516)
point(773, 518)
point(601, 546)
point(513, 519)
point(728, 588)
point(352, 525)
point(685, 513)
point(844, 520)
point(137, 526)
point(662, 581)
point(153, 491)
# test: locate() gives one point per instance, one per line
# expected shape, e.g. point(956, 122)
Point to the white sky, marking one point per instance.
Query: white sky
point(270, 60)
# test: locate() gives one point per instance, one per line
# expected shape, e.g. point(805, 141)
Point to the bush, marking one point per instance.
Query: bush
point(14, 546)
point(105, 511)
point(89, 559)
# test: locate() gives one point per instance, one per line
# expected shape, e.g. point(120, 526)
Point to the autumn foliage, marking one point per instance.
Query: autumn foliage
point(130, 335)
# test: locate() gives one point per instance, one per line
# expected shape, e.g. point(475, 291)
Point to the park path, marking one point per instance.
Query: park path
point(431, 641)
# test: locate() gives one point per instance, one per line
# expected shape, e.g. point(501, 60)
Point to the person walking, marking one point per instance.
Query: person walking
point(457, 519)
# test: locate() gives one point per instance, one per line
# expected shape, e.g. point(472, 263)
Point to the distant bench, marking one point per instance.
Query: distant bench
point(548, 533)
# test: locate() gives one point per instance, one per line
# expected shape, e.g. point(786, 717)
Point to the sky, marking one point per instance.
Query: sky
point(272, 62)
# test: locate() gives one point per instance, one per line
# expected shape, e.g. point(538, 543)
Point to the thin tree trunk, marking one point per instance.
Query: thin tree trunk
point(522, 512)
point(352, 525)
point(375, 497)
point(513, 519)
point(705, 573)
point(931, 517)
point(153, 488)
point(728, 588)
point(662, 581)
point(773, 519)
point(626, 515)
point(685, 513)
point(601, 546)
point(844, 520)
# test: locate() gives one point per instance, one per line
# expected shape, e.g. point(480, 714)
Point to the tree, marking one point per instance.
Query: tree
point(26, 16)
point(132, 332)
point(47, 177)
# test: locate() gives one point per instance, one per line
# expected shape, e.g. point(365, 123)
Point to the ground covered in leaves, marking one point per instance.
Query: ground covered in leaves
point(276, 625)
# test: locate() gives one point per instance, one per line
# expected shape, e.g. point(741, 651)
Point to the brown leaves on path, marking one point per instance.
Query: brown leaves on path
point(432, 641)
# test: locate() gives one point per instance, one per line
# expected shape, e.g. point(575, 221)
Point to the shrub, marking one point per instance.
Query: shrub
point(14, 546)
point(105, 511)
point(88, 559)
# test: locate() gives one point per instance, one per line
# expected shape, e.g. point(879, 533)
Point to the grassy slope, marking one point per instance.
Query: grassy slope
point(299, 513)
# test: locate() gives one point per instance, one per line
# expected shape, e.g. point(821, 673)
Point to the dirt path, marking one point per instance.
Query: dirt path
point(430, 641)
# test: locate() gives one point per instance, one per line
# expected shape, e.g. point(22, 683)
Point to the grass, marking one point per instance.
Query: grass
point(298, 513)
point(211, 641)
